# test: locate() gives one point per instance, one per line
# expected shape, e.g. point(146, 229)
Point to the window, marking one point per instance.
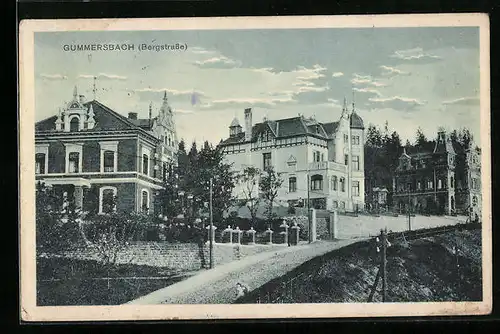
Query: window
point(74, 162)
point(334, 183)
point(317, 182)
point(430, 185)
point(342, 205)
point(40, 163)
point(266, 160)
point(474, 200)
point(292, 184)
point(419, 185)
point(144, 200)
point(164, 172)
point(342, 184)
point(335, 204)
point(355, 162)
point(74, 124)
point(355, 188)
point(316, 156)
point(107, 199)
point(109, 161)
point(145, 164)
point(452, 182)
point(440, 184)
point(346, 138)
point(109, 156)
point(346, 159)
point(265, 136)
point(355, 140)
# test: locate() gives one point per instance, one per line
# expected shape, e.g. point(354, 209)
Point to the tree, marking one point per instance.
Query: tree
point(373, 136)
point(211, 165)
point(269, 185)
point(58, 223)
point(248, 182)
point(420, 138)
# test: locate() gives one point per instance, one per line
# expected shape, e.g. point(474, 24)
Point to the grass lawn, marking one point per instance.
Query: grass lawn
point(63, 281)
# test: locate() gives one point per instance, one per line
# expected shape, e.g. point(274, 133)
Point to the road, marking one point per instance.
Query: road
point(218, 285)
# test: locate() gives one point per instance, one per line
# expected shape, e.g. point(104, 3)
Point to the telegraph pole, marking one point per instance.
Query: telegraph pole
point(384, 265)
point(211, 226)
point(409, 211)
point(308, 206)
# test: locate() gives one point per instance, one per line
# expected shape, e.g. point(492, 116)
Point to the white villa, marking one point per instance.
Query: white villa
point(329, 155)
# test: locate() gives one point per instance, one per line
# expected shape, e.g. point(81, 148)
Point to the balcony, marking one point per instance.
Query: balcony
point(330, 165)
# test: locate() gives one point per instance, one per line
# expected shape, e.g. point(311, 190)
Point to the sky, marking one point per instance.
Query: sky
point(409, 77)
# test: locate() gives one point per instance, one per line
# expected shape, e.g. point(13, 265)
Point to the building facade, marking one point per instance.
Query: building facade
point(323, 159)
point(444, 179)
point(103, 161)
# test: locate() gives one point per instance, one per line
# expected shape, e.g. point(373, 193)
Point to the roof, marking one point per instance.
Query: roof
point(356, 121)
point(106, 120)
point(288, 127)
point(235, 122)
point(144, 123)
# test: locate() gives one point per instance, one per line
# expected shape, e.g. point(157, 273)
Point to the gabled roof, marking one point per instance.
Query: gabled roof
point(144, 123)
point(288, 127)
point(106, 119)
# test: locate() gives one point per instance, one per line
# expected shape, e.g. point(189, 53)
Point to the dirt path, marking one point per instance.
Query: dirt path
point(218, 286)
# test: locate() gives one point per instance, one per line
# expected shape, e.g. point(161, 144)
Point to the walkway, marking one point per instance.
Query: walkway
point(218, 285)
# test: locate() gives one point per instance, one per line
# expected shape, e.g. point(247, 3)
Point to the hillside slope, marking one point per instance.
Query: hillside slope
point(423, 270)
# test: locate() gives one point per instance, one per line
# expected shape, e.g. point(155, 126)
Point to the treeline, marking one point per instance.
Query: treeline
point(187, 187)
point(383, 149)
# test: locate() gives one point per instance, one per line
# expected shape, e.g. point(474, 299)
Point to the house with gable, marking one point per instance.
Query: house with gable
point(103, 161)
point(440, 177)
point(325, 160)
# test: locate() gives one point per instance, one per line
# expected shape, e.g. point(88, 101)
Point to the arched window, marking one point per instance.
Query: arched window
point(342, 184)
point(74, 124)
point(144, 200)
point(145, 164)
point(107, 199)
point(317, 182)
point(74, 162)
point(109, 161)
point(334, 183)
point(292, 184)
point(40, 163)
point(440, 184)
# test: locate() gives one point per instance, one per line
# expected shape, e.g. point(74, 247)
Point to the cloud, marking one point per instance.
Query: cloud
point(337, 74)
point(366, 80)
point(53, 76)
point(396, 102)
point(170, 91)
point(463, 101)
point(367, 90)
point(244, 102)
point(388, 70)
point(104, 76)
point(183, 111)
point(415, 55)
point(220, 62)
point(200, 50)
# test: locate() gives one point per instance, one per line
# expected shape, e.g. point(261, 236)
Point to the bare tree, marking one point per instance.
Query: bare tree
point(248, 181)
point(269, 185)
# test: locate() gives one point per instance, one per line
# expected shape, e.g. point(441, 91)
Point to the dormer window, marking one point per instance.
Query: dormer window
point(74, 124)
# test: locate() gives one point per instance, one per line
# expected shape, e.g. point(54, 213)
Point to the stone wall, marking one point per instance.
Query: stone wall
point(179, 256)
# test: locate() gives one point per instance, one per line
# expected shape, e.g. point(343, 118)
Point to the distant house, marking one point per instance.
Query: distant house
point(325, 160)
point(102, 160)
point(440, 177)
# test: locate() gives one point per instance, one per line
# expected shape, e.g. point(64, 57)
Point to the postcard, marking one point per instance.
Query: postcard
point(255, 167)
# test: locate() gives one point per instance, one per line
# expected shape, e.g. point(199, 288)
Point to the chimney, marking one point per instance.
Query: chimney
point(248, 124)
point(132, 115)
point(82, 98)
